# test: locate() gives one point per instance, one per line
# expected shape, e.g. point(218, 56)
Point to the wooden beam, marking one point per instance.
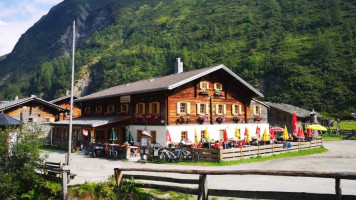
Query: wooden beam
point(338, 189)
point(160, 178)
point(118, 177)
point(203, 188)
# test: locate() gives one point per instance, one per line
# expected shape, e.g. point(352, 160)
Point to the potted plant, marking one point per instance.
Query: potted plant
point(126, 144)
point(258, 118)
point(220, 119)
point(202, 119)
point(204, 91)
point(155, 117)
point(237, 119)
point(183, 118)
point(108, 113)
point(218, 92)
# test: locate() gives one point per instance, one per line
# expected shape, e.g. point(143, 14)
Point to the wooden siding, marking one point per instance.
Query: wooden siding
point(264, 112)
point(77, 112)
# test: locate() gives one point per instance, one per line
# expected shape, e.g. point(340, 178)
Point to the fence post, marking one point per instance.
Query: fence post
point(220, 155)
point(310, 144)
point(203, 188)
point(64, 185)
point(259, 151)
point(298, 144)
point(338, 189)
point(273, 148)
point(241, 151)
point(118, 178)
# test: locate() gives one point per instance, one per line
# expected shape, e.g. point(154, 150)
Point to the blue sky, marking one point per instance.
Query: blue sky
point(16, 16)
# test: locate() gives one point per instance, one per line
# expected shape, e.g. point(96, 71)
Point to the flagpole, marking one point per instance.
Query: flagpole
point(71, 100)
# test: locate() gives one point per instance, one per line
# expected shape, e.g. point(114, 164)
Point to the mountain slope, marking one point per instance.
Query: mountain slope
point(298, 52)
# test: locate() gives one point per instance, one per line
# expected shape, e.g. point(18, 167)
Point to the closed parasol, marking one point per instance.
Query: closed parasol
point(294, 124)
point(237, 133)
point(272, 136)
point(265, 137)
point(113, 135)
point(226, 139)
point(196, 136)
point(300, 134)
point(285, 135)
point(248, 137)
point(207, 136)
point(129, 138)
point(168, 137)
point(309, 133)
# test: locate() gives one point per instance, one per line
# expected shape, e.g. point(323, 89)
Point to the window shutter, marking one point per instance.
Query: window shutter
point(158, 108)
point(144, 109)
point(178, 108)
point(201, 85)
point(259, 111)
point(214, 86)
point(207, 85)
point(198, 108)
point(216, 108)
point(188, 108)
point(207, 108)
point(150, 108)
point(233, 112)
point(240, 109)
point(224, 109)
point(137, 109)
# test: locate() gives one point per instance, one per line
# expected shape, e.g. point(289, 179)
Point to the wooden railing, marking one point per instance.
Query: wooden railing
point(254, 151)
point(203, 192)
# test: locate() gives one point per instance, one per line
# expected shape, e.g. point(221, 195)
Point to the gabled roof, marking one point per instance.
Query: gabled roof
point(169, 82)
point(14, 103)
point(260, 102)
point(6, 120)
point(290, 109)
point(93, 121)
point(63, 98)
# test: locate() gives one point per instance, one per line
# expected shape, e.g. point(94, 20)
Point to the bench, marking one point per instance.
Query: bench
point(55, 169)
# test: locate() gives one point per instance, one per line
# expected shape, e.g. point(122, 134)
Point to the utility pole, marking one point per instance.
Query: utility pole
point(71, 101)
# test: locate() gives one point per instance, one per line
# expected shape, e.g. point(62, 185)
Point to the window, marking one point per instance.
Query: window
point(220, 109)
point(110, 108)
point(183, 108)
point(154, 136)
point(218, 86)
point(204, 85)
point(87, 110)
point(98, 110)
point(154, 108)
point(221, 134)
point(140, 108)
point(257, 110)
point(138, 135)
point(236, 109)
point(202, 134)
point(184, 135)
point(125, 108)
point(202, 108)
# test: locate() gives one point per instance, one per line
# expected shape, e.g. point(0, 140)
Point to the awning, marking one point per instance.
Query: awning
point(93, 121)
point(6, 120)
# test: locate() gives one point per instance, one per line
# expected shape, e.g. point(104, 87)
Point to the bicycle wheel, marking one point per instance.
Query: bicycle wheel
point(172, 157)
point(195, 157)
point(180, 156)
point(161, 157)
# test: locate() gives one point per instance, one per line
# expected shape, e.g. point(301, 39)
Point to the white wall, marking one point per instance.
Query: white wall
point(175, 131)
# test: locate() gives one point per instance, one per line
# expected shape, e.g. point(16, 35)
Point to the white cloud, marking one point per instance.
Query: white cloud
point(17, 17)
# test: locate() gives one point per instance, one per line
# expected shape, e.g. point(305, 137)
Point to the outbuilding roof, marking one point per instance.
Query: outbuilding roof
point(93, 121)
point(63, 98)
point(6, 120)
point(14, 103)
point(164, 83)
point(290, 109)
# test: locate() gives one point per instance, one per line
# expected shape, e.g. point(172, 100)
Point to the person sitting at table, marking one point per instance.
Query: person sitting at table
point(187, 141)
point(216, 145)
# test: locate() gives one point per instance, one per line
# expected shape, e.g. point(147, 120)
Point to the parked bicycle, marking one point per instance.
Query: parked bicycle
point(165, 155)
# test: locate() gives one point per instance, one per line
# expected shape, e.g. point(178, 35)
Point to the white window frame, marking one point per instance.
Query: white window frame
point(206, 110)
point(204, 85)
point(257, 110)
point(218, 88)
point(236, 109)
point(223, 109)
point(187, 111)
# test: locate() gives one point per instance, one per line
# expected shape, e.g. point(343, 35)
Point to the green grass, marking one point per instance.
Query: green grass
point(346, 125)
point(303, 152)
point(168, 194)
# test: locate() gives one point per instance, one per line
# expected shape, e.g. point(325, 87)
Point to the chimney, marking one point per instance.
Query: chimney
point(16, 98)
point(178, 66)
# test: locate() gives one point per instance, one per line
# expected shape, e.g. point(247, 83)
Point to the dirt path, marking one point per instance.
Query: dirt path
point(341, 157)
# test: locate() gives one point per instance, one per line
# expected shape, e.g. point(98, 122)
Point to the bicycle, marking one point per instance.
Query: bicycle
point(183, 154)
point(164, 155)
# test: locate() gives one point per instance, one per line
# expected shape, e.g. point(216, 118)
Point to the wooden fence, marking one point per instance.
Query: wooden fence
point(203, 192)
point(254, 151)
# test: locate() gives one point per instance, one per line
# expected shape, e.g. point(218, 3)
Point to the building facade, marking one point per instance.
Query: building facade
point(212, 99)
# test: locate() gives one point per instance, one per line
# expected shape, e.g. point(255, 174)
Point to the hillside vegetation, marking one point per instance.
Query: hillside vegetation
point(297, 52)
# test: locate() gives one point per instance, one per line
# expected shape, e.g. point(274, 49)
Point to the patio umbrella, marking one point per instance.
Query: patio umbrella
point(196, 136)
point(248, 137)
point(276, 129)
point(309, 133)
point(294, 124)
point(265, 137)
point(207, 136)
point(168, 137)
point(317, 127)
point(237, 133)
point(129, 138)
point(272, 136)
point(285, 134)
point(300, 133)
point(113, 135)
point(226, 139)
point(258, 131)
point(246, 131)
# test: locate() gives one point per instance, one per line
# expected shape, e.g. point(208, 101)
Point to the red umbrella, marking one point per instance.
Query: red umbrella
point(258, 131)
point(309, 133)
point(295, 130)
point(168, 136)
point(245, 131)
point(225, 136)
point(300, 133)
point(272, 136)
point(276, 129)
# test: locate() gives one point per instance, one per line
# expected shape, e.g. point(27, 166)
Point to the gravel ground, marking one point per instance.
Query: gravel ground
point(340, 158)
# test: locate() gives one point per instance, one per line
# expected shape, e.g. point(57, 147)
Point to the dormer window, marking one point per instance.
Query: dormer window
point(98, 110)
point(218, 86)
point(204, 87)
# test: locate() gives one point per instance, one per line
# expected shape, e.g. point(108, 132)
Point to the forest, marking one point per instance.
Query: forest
point(296, 52)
